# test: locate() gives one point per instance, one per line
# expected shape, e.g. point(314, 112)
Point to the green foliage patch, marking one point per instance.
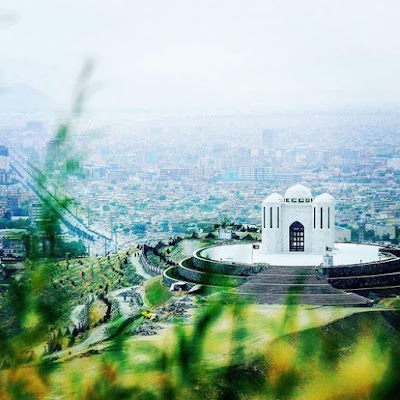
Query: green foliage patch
point(156, 292)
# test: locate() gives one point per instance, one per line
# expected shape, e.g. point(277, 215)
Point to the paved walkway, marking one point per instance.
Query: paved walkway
point(139, 268)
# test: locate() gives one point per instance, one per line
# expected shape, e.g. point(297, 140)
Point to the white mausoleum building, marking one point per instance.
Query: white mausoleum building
point(298, 222)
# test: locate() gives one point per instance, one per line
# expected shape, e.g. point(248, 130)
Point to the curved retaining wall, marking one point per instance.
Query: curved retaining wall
point(389, 291)
point(186, 271)
point(169, 279)
point(379, 277)
point(395, 252)
point(223, 267)
point(199, 270)
point(366, 281)
point(374, 268)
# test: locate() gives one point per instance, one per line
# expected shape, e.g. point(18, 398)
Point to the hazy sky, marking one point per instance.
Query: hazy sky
point(206, 55)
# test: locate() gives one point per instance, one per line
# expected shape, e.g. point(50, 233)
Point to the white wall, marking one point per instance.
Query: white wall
point(316, 240)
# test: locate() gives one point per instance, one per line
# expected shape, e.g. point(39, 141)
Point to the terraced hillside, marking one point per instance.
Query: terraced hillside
point(95, 275)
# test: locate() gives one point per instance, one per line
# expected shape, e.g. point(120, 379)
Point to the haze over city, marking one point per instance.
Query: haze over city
point(225, 56)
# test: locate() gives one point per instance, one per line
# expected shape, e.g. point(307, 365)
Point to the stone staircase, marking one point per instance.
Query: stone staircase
point(274, 284)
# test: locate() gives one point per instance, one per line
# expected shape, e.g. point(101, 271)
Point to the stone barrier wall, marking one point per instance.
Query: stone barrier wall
point(379, 291)
point(223, 267)
point(366, 281)
point(169, 279)
point(374, 268)
point(185, 271)
point(148, 267)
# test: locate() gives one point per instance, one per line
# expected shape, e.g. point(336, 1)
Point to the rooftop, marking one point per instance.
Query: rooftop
point(298, 191)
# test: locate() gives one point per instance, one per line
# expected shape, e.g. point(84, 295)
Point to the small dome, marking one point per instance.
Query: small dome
point(298, 192)
point(274, 198)
point(324, 198)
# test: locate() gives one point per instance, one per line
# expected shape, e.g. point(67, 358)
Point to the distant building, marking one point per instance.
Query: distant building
point(54, 150)
point(92, 172)
point(5, 177)
point(12, 243)
point(298, 222)
point(342, 235)
point(287, 177)
point(231, 176)
point(269, 138)
point(198, 173)
point(112, 166)
point(256, 173)
point(174, 173)
point(35, 212)
point(150, 157)
point(14, 201)
point(388, 231)
point(224, 234)
point(256, 153)
point(4, 159)
point(117, 175)
point(394, 163)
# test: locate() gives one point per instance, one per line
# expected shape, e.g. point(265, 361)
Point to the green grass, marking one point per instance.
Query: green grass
point(156, 292)
point(243, 353)
point(185, 248)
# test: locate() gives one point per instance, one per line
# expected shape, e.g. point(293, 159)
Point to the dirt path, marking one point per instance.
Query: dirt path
point(75, 314)
point(100, 333)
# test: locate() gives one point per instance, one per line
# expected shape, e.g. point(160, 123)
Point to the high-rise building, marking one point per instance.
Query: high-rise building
point(4, 158)
point(5, 177)
point(54, 152)
point(269, 138)
point(36, 211)
point(14, 201)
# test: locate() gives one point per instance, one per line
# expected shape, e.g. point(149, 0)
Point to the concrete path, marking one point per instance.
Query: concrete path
point(139, 268)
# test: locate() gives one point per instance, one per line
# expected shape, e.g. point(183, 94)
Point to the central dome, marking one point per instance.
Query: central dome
point(298, 191)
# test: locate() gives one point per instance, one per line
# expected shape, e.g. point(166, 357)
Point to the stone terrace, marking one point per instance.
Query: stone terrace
point(274, 284)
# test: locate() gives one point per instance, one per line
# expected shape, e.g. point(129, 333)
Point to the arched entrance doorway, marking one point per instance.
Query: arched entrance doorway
point(296, 237)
